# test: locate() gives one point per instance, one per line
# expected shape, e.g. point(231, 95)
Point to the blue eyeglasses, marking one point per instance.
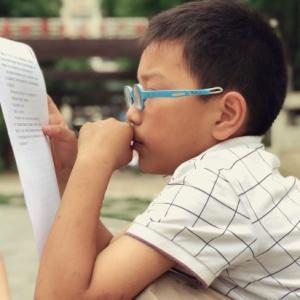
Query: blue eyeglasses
point(137, 95)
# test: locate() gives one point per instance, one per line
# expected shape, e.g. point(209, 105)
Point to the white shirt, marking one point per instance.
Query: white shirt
point(231, 220)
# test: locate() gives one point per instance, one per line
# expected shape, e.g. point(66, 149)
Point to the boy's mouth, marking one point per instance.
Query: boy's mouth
point(136, 140)
point(136, 144)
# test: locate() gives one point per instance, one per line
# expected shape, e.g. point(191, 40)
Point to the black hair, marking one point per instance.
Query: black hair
point(228, 44)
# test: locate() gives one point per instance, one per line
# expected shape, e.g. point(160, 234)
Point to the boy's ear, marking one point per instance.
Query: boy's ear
point(231, 116)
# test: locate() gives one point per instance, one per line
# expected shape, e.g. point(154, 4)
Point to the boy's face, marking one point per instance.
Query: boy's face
point(169, 131)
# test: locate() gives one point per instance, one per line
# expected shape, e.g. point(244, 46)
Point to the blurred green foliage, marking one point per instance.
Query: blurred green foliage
point(29, 8)
point(287, 15)
point(70, 64)
point(133, 8)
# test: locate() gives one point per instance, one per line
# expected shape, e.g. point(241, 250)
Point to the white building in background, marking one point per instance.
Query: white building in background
point(81, 17)
point(80, 9)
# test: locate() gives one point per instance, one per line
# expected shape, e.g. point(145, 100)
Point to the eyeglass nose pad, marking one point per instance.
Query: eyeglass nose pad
point(130, 123)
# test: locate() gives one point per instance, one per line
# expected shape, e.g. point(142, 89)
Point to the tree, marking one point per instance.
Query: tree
point(29, 8)
point(133, 8)
point(287, 16)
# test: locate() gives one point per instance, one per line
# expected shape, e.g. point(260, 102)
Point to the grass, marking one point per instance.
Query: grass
point(16, 200)
point(122, 209)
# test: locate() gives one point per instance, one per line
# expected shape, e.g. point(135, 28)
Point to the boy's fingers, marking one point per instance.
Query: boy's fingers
point(58, 132)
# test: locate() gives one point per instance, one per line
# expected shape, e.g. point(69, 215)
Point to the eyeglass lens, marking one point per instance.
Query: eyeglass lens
point(137, 97)
point(127, 97)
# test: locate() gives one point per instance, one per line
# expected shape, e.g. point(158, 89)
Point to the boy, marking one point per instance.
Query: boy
point(226, 217)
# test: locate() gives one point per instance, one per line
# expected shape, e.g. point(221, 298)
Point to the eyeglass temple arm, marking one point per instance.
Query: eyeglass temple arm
point(179, 93)
point(215, 90)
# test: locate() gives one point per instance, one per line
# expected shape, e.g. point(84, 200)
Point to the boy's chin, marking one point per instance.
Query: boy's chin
point(153, 169)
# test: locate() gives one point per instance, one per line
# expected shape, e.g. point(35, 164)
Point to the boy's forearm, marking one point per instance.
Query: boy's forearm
point(104, 235)
point(4, 289)
point(76, 236)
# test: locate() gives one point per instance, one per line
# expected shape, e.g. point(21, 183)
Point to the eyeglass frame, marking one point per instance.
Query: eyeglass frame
point(130, 99)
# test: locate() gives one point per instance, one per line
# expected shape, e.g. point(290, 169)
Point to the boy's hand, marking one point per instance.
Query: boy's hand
point(63, 144)
point(107, 141)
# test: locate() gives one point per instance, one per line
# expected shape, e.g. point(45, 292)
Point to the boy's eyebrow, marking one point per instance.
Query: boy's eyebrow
point(153, 75)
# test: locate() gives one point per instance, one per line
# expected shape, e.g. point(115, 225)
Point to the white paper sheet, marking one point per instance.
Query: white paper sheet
point(23, 99)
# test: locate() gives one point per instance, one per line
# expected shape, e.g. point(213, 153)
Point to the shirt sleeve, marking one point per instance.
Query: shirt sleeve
point(200, 222)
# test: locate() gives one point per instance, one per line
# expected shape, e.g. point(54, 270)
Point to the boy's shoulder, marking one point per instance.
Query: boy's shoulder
point(237, 169)
point(231, 155)
point(236, 165)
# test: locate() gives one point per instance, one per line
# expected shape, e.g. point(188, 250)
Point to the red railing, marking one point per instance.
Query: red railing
point(39, 28)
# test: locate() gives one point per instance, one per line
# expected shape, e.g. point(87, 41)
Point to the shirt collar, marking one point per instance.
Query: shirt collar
point(250, 141)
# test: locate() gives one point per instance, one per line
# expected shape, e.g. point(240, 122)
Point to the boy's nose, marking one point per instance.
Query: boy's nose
point(134, 115)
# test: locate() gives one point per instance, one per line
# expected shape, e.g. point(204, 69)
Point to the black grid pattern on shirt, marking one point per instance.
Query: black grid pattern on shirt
point(243, 161)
